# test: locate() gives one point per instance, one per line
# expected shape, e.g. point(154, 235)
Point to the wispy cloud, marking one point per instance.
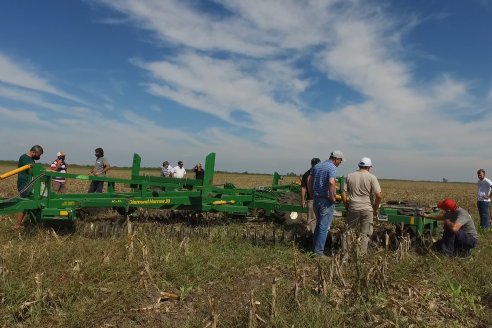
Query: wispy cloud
point(251, 65)
point(25, 117)
point(25, 76)
point(351, 43)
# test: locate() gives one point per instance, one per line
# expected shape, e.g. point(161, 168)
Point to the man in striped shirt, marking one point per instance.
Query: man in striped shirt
point(59, 165)
point(322, 185)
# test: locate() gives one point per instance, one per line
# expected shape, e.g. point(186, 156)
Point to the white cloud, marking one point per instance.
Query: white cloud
point(27, 97)
point(23, 75)
point(24, 117)
point(251, 64)
point(448, 91)
point(177, 22)
point(353, 43)
point(221, 87)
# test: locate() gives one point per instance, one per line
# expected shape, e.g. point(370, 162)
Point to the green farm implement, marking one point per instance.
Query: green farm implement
point(140, 191)
point(281, 202)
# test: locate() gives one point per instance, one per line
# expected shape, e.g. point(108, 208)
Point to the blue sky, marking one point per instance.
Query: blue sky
point(266, 84)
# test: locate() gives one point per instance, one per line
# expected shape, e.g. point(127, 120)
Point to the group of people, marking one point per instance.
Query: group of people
point(101, 167)
point(179, 171)
point(59, 165)
point(362, 196)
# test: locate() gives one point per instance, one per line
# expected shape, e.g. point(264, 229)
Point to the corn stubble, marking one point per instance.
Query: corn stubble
point(228, 274)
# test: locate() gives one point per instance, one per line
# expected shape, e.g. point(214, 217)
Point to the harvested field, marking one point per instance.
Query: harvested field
point(156, 277)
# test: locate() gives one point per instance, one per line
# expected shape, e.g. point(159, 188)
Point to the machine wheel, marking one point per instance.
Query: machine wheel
point(122, 211)
point(60, 225)
point(289, 218)
point(32, 217)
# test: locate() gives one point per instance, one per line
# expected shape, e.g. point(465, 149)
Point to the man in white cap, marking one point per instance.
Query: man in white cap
point(364, 197)
point(59, 165)
point(322, 186)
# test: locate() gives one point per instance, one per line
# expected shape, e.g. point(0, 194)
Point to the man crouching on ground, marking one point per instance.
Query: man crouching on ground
point(460, 235)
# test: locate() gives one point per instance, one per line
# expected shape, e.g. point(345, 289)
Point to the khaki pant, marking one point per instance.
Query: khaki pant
point(311, 217)
point(362, 222)
point(59, 187)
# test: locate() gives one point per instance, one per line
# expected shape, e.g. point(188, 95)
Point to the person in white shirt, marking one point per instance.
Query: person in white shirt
point(179, 171)
point(483, 198)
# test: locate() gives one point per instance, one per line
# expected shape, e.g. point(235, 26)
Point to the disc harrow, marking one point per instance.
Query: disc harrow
point(192, 205)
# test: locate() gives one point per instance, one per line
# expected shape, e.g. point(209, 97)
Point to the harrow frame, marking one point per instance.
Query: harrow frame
point(142, 191)
point(147, 192)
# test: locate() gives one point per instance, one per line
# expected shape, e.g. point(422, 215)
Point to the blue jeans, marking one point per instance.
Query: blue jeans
point(483, 211)
point(96, 186)
point(324, 209)
point(454, 243)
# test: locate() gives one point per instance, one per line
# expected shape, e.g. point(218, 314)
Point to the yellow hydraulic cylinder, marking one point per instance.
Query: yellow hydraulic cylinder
point(15, 171)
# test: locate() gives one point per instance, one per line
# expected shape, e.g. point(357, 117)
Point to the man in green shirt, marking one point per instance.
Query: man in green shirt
point(24, 178)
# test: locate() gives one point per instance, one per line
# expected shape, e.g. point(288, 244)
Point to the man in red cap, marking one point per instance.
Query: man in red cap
point(460, 235)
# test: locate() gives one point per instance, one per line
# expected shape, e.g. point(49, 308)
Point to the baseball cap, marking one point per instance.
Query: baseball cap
point(315, 161)
point(60, 153)
point(365, 162)
point(337, 154)
point(447, 204)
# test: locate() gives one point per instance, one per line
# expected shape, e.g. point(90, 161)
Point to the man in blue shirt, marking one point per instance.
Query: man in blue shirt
point(322, 185)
